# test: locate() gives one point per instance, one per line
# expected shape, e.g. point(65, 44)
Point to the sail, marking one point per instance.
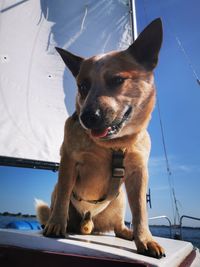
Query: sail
point(37, 92)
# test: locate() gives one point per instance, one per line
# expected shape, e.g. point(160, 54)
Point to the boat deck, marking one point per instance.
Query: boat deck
point(82, 250)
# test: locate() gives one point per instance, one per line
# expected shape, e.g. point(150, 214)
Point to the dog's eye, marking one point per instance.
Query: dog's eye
point(116, 81)
point(84, 88)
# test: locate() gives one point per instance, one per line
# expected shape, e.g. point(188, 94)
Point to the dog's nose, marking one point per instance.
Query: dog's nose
point(91, 119)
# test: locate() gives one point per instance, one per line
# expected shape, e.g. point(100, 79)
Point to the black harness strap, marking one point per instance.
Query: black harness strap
point(118, 174)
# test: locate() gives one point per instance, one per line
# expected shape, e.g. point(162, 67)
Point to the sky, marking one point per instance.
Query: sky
point(179, 97)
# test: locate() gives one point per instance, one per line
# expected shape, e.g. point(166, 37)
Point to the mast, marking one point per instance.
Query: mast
point(133, 19)
point(134, 37)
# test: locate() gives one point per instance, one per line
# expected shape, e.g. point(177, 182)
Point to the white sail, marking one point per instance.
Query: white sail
point(36, 90)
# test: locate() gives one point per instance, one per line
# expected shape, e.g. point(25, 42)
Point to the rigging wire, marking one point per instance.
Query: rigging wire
point(173, 197)
point(169, 173)
point(180, 45)
point(174, 201)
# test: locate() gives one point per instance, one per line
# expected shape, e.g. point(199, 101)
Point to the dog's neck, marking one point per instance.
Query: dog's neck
point(120, 143)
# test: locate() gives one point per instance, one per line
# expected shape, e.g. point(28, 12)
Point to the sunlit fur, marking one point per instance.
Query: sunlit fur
point(85, 167)
point(137, 90)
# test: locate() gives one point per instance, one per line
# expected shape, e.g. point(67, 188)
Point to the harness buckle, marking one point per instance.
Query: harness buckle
point(118, 172)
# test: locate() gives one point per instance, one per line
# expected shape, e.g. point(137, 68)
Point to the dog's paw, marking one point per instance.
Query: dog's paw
point(53, 229)
point(125, 233)
point(151, 249)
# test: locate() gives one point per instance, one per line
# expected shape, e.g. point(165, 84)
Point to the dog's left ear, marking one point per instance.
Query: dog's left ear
point(72, 61)
point(146, 47)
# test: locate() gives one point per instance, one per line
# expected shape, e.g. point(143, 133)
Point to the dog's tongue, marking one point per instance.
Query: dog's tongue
point(99, 133)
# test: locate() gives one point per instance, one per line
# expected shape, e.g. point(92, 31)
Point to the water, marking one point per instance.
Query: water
point(189, 234)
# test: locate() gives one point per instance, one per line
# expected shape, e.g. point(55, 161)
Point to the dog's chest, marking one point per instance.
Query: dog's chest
point(93, 173)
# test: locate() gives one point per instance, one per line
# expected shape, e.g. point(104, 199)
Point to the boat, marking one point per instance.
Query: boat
point(31, 247)
point(37, 72)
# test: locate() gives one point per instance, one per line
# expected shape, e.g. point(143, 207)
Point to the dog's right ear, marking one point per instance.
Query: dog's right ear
point(72, 61)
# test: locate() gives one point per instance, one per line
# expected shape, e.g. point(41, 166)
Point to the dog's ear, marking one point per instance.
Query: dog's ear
point(72, 61)
point(146, 47)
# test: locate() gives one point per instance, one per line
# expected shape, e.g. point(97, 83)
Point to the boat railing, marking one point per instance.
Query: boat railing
point(178, 235)
point(181, 219)
point(163, 217)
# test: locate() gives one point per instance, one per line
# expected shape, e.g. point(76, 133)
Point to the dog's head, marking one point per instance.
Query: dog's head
point(116, 92)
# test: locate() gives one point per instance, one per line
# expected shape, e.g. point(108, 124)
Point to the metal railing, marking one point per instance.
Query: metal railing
point(179, 236)
point(188, 217)
point(165, 217)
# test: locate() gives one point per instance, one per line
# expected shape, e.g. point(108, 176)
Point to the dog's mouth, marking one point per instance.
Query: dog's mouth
point(114, 128)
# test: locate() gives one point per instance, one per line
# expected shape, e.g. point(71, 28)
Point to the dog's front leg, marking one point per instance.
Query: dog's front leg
point(57, 223)
point(136, 185)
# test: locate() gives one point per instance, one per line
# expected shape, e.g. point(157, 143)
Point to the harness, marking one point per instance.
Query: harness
point(117, 178)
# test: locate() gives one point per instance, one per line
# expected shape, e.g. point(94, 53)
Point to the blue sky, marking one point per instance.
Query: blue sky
point(179, 97)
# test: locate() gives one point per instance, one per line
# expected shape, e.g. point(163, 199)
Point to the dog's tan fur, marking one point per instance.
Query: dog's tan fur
point(85, 166)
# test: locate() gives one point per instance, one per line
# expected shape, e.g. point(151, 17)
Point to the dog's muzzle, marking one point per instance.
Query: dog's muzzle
point(91, 119)
point(95, 122)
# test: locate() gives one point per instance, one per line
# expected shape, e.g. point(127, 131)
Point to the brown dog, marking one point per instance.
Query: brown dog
point(115, 98)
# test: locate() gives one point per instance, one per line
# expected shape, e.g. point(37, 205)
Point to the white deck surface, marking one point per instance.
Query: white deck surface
point(101, 246)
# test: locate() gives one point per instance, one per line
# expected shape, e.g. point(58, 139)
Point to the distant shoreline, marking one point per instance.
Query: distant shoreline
point(19, 214)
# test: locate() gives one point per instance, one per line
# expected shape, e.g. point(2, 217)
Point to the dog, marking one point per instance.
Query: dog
point(106, 144)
